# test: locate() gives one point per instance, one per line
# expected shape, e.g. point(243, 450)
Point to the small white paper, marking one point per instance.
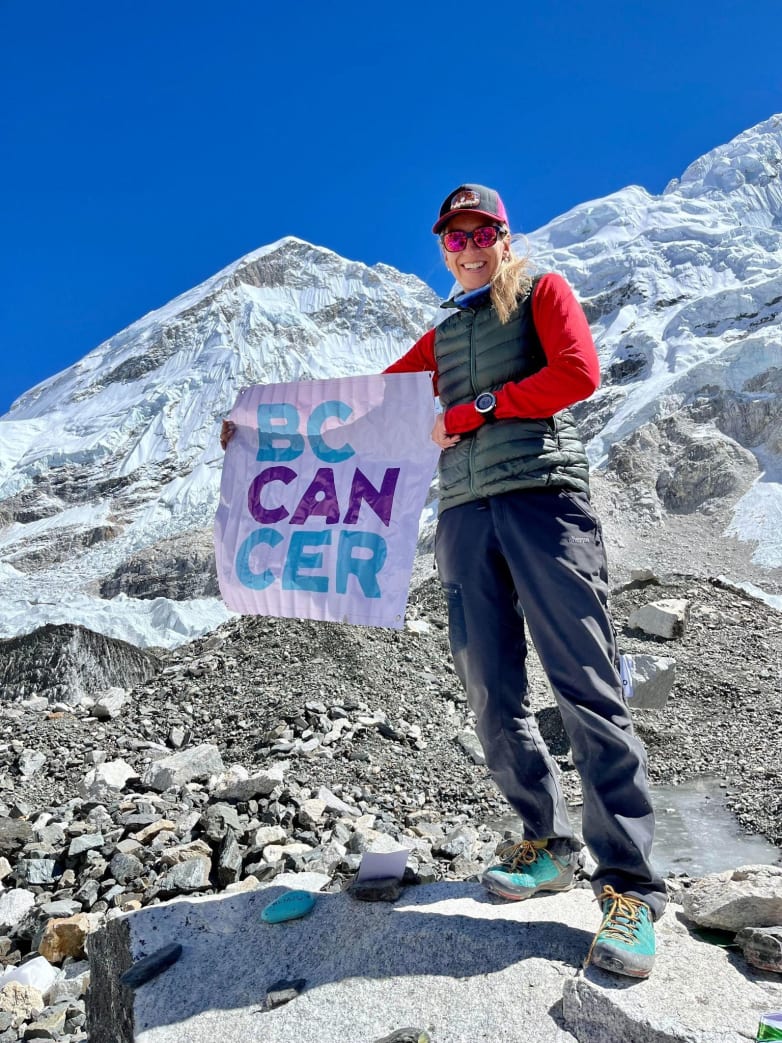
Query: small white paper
point(626, 663)
point(382, 864)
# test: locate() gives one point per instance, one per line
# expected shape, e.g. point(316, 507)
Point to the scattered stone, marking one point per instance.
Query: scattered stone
point(471, 745)
point(14, 905)
point(151, 966)
point(184, 878)
point(333, 803)
point(178, 736)
point(14, 834)
point(22, 1001)
point(237, 784)
point(666, 618)
point(125, 867)
point(36, 870)
point(384, 889)
point(86, 842)
point(109, 705)
point(282, 992)
point(31, 761)
point(49, 1024)
point(186, 766)
point(762, 947)
point(73, 983)
point(651, 680)
point(110, 848)
point(417, 626)
point(750, 896)
point(311, 813)
point(106, 781)
point(153, 829)
point(66, 937)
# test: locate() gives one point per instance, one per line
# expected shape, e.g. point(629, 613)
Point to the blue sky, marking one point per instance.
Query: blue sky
point(146, 146)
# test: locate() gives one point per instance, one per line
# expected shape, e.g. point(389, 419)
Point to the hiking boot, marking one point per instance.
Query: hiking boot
point(527, 868)
point(624, 943)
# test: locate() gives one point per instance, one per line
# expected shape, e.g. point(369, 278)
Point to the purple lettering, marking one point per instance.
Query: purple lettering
point(380, 500)
point(319, 499)
point(263, 514)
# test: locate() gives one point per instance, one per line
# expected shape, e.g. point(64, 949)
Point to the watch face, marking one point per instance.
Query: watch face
point(485, 402)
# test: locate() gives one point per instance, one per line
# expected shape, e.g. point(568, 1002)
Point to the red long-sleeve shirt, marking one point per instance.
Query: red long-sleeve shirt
point(571, 373)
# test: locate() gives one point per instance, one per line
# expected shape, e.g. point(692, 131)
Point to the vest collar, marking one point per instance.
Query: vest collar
point(472, 299)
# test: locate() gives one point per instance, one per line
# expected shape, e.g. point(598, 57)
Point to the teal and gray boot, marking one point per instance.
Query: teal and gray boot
point(527, 868)
point(624, 943)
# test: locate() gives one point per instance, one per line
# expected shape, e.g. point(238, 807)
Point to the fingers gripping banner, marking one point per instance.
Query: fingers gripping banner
point(322, 489)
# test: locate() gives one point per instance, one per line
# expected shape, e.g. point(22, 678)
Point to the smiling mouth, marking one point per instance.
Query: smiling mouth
point(474, 266)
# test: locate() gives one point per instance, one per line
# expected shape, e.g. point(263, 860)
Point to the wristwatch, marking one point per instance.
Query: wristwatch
point(485, 403)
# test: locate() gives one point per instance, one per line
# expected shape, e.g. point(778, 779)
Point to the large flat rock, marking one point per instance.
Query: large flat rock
point(446, 957)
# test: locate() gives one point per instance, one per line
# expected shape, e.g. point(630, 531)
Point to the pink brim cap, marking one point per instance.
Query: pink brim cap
point(471, 199)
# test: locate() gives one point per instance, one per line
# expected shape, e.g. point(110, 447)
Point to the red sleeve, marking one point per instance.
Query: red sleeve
point(572, 370)
point(419, 358)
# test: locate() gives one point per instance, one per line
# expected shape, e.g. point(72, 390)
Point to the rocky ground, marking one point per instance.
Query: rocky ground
point(259, 689)
point(352, 736)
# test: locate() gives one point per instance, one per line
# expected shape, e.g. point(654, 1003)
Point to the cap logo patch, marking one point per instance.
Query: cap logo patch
point(465, 198)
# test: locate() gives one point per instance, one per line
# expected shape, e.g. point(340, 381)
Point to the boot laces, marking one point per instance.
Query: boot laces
point(523, 853)
point(623, 918)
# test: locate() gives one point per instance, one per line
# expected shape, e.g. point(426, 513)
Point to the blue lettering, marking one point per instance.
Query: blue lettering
point(298, 559)
point(320, 414)
point(279, 421)
point(245, 575)
point(365, 569)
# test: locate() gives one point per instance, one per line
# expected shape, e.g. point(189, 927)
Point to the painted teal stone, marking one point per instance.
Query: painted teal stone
point(289, 906)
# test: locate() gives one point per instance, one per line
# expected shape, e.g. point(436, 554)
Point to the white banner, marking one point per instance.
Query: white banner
point(322, 489)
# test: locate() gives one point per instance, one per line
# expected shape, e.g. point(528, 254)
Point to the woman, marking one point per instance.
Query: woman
point(519, 544)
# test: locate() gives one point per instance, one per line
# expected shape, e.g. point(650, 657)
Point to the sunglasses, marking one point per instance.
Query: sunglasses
point(483, 237)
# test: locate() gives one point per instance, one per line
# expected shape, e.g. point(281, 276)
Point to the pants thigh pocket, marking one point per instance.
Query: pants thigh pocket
point(457, 624)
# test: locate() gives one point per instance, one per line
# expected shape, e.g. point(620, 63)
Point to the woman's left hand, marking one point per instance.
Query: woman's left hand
point(439, 435)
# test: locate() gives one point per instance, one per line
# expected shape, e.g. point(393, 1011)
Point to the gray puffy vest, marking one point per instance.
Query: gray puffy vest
point(475, 353)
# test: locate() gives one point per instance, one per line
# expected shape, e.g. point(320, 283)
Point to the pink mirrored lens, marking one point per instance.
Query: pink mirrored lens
point(454, 242)
point(484, 237)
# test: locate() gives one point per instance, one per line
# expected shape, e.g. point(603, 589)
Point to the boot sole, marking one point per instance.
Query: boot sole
point(614, 965)
point(514, 896)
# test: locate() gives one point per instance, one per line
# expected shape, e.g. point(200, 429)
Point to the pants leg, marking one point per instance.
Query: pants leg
point(488, 644)
point(553, 543)
point(550, 544)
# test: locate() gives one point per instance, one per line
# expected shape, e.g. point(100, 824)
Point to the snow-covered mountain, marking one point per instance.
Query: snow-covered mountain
point(684, 295)
point(109, 471)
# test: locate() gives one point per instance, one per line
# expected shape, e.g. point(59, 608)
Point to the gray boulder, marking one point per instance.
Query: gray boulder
point(444, 956)
point(199, 762)
point(750, 896)
point(665, 618)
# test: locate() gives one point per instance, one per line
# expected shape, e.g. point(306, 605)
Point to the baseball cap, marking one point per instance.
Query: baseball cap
point(474, 199)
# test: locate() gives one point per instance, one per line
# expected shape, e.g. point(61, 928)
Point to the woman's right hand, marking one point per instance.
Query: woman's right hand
point(227, 431)
point(439, 435)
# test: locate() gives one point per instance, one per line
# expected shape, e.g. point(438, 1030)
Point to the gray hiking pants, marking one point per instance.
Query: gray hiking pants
point(537, 557)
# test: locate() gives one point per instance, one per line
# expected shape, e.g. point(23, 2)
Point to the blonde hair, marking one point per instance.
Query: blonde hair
point(511, 283)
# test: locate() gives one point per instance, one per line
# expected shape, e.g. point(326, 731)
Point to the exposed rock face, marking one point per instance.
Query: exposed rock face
point(178, 568)
point(683, 464)
point(66, 663)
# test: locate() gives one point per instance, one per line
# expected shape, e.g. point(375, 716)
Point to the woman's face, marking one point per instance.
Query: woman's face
point(473, 267)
